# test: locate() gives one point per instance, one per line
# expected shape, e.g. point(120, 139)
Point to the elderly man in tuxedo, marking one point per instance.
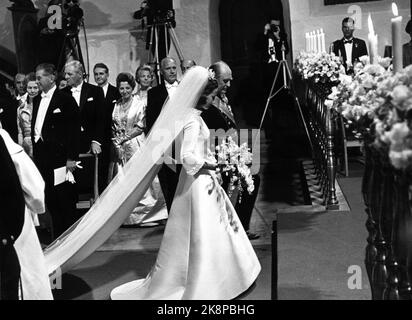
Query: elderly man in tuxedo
point(220, 116)
point(90, 101)
point(55, 135)
point(156, 97)
point(349, 48)
point(111, 95)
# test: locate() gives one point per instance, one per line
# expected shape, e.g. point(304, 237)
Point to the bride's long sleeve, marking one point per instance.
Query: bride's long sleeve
point(191, 158)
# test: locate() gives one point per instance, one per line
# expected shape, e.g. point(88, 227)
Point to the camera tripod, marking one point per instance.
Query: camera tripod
point(155, 31)
point(71, 48)
point(284, 71)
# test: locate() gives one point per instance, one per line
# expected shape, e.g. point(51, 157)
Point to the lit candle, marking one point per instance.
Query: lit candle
point(322, 35)
point(314, 42)
point(397, 54)
point(373, 42)
point(311, 41)
point(319, 40)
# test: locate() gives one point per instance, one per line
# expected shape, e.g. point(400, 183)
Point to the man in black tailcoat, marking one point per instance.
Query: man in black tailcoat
point(219, 116)
point(156, 97)
point(349, 48)
point(111, 95)
point(55, 136)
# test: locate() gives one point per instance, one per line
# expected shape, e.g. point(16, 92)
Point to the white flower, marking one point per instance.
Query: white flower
point(400, 93)
point(212, 75)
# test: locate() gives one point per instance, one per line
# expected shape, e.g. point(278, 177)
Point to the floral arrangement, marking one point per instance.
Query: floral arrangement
point(357, 97)
point(375, 95)
point(319, 67)
point(234, 166)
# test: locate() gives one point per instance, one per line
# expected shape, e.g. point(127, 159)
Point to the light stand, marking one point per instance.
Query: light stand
point(287, 85)
point(156, 27)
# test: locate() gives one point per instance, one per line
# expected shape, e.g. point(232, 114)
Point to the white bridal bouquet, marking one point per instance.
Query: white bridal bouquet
point(234, 163)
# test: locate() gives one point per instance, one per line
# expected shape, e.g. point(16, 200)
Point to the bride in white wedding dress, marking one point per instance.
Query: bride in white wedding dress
point(201, 255)
point(205, 253)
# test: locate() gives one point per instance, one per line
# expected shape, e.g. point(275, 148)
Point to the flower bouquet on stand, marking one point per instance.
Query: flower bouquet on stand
point(233, 169)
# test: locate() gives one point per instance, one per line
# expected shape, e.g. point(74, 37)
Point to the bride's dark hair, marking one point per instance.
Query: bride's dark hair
point(210, 87)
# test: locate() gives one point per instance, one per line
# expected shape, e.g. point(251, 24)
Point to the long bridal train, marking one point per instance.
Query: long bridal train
point(128, 187)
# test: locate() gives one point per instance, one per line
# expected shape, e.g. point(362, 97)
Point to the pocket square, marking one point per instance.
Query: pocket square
point(1, 110)
point(90, 99)
point(57, 110)
point(114, 101)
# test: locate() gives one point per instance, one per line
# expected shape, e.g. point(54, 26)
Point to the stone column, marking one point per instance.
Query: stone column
point(24, 16)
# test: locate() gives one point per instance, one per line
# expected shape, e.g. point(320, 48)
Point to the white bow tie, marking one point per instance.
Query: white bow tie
point(75, 89)
point(173, 85)
point(45, 95)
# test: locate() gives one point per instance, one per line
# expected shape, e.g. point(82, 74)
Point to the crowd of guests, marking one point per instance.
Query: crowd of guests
point(56, 117)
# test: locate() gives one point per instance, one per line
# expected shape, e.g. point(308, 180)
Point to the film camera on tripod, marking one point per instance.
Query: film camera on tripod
point(58, 44)
point(72, 17)
point(160, 17)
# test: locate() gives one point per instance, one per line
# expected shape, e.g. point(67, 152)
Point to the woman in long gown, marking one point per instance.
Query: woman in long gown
point(205, 252)
point(128, 137)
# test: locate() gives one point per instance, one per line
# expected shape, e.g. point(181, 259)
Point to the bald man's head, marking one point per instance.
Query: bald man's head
point(187, 64)
point(223, 76)
point(168, 68)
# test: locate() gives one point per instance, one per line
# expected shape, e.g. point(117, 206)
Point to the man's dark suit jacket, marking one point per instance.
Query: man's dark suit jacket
point(215, 120)
point(156, 98)
point(60, 134)
point(11, 224)
point(92, 115)
point(112, 96)
point(359, 49)
point(168, 178)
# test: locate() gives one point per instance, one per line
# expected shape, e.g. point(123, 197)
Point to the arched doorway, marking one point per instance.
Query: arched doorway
point(241, 21)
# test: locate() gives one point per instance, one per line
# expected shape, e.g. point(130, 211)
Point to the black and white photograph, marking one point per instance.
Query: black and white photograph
point(208, 156)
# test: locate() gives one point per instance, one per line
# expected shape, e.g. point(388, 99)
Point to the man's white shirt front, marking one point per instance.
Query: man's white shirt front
point(41, 113)
point(76, 92)
point(105, 88)
point(348, 50)
point(171, 88)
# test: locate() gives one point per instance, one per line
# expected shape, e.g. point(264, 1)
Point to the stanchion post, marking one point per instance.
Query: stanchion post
point(274, 288)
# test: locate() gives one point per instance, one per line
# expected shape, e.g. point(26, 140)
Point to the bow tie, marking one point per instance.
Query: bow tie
point(45, 95)
point(77, 89)
point(348, 41)
point(173, 85)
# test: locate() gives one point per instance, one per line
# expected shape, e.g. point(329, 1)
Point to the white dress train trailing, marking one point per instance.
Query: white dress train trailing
point(205, 253)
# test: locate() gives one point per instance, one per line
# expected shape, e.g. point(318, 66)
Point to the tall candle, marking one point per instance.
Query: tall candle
point(307, 42)
point(314, 42)
point(319, 40)
point(373, 42)
point(397, 54)
point(310, 41)
point(322, 38)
